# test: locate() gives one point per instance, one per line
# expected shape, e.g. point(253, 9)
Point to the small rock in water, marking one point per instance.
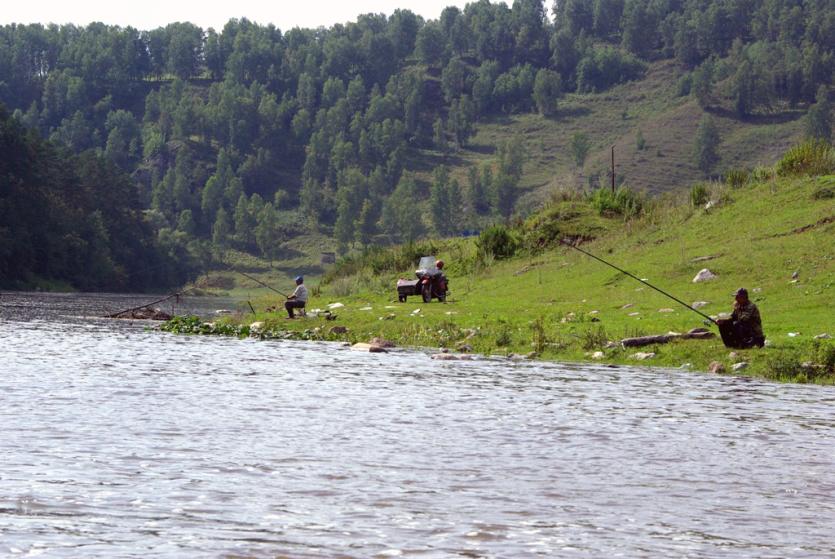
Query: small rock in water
point(464, 348)
point(704, 275)
point(739, 366)
point(382, 342)
point(823, 337)
point(641, 356)
point(716, 368)
point(700, 304)
point(450, 357)
point(370, 348)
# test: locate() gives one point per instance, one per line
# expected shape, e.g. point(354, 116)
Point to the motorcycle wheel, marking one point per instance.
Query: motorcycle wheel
point(426, 292)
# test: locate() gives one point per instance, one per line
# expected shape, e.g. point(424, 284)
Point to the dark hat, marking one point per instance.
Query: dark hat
point(299, 279)
point(741, 291)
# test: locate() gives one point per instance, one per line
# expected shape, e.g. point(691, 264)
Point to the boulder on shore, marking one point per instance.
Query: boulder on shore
point(704, 275)
point(370, 348)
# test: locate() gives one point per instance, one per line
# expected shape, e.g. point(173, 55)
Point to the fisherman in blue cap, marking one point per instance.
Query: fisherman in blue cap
point(298, 299)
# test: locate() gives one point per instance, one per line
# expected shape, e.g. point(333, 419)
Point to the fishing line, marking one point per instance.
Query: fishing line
point(676, 299)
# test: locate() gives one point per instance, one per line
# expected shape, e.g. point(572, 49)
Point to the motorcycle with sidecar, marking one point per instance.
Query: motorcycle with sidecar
point(430, 283)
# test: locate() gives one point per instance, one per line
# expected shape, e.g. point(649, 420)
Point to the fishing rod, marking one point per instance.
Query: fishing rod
point(258, 281)
point(676, 299)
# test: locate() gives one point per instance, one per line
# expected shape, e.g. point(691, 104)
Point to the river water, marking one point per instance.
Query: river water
point(117, 441)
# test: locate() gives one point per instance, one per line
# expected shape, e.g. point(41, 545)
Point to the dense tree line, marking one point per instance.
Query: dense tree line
point(248, 135)
point(76, 218)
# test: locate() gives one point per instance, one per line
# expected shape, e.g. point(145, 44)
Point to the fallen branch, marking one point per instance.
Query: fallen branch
point(694, 334)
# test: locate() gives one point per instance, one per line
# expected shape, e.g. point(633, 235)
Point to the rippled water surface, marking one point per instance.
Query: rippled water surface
point(116, 441)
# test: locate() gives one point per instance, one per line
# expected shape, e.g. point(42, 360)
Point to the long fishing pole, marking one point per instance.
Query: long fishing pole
point(676, 299)
point(258, 282)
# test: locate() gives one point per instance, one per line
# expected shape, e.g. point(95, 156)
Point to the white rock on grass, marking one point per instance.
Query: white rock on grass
point(335, 306)
point(367, 309)
point(634, 314)
point(823, 337)
point(704, 275)
point(256, 327)
point(666, 310)
point(793, 334)
point(598, 355)
point(700, 304)
point(739, 366)
point(641, 356)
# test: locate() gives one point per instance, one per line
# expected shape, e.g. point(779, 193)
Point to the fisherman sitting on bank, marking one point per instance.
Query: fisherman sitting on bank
point(298, 299)
point(747, 325)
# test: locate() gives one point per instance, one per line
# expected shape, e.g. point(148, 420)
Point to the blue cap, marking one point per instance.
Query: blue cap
point(299, 279)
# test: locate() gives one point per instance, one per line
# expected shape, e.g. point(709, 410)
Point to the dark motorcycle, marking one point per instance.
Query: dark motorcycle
point(430, 283)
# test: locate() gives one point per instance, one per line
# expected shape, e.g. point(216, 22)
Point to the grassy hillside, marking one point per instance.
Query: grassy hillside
point(563, 305)
point(667, 121)
point(652, 105)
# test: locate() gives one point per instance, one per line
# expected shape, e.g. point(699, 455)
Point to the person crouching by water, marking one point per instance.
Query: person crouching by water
point(746, 322)
point(298, 299)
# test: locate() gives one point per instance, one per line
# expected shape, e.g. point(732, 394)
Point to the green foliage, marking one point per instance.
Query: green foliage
point(605, 67)
point(736, 178)
point(699, 195)
point(623, 201)
point(706, 144)
point(819, 117)
point(498, 242)
point(580, 147)
point(814, 157)
point(547, 89)
point(640, 142)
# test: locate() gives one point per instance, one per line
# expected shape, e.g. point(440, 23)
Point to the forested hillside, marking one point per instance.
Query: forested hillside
point(249, 136)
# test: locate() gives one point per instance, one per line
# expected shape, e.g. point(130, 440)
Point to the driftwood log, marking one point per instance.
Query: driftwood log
point(144, 313)
point(694, 334)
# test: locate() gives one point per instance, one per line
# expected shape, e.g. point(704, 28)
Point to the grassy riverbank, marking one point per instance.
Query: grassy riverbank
point(562, 305)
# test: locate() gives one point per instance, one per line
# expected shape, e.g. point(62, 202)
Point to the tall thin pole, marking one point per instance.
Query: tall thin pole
point(613, 169)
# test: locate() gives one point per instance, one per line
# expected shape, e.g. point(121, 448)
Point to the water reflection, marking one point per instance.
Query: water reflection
point(119, 441)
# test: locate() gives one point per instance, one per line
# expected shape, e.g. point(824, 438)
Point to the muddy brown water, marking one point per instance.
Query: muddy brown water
point(117, 441)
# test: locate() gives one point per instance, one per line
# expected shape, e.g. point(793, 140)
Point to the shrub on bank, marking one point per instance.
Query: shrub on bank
point(623, 201)
point(815, 157)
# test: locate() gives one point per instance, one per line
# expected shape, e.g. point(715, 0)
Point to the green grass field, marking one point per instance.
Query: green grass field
point(563, 305)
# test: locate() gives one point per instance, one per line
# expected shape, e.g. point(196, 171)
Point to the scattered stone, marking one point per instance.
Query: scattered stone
point(716, 368)
point(367, 309)
point(823, 337)
point(223, 311)
point(641, 356)
point(339, 330)
point(450, 313)
point(795, 274)
point(704, 275)
point(416, 311)
point(627, 306)
point(532, 355)
point(634, 314)
point(757, 290)
point(522, 271)
point(464, 348)
point(700, 304)
point(793, 334)
point(471, 333)
point(666, 310)
point(390, 307)
point(335, 306)
point(594, 312)
point(686, 365)
point(794, 281)
point(733, 355)
point(739, 366)
point(256, 327)
point(382, 342)
point(450, 357)
point(711, 204)
point(370, 348)
point(598, 355)
point(611, 345)
point(389, 316)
